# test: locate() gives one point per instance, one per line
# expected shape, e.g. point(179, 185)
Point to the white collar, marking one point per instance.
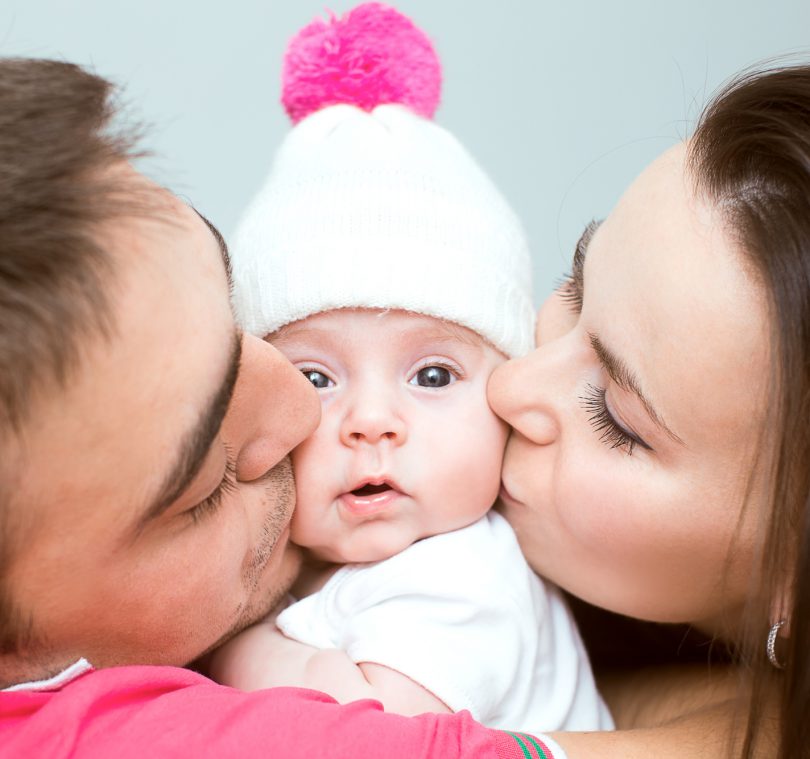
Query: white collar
point(57, 681)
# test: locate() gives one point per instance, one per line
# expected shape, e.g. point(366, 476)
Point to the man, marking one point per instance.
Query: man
point(145, 487)
point(130, 397)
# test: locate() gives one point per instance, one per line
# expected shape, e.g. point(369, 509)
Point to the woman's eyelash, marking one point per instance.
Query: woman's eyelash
point(572, 288)
point(611, 434)
point(226, 486)
point(571, 293)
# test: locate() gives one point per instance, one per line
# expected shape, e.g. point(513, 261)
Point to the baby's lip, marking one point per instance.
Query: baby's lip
point(371, 486)
point(370, 498)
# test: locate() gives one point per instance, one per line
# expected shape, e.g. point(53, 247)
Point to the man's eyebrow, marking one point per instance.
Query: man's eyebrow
point(621, 374)
point(197, 442)
point(223, 246)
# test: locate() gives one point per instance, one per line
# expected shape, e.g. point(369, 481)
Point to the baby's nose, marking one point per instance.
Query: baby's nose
point(372, 421)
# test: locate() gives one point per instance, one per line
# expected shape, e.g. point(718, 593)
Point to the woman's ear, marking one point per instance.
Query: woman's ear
point(778, 631)
point(780, 611)
point(782, 605)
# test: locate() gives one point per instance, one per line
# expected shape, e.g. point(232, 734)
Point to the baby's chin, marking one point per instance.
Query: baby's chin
point(359, 555)
point(375, 540)
point(361, 551)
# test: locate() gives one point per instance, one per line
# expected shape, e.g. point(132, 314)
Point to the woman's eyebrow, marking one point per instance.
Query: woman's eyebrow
point(621, 374)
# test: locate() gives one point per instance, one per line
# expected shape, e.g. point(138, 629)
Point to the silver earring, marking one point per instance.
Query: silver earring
point(770, 648)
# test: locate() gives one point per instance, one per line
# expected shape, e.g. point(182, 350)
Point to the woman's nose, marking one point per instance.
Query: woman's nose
point(371, 417)
point(274, 407)
point(521, 392)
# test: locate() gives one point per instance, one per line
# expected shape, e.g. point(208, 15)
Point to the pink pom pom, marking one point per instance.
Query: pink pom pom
point(370, 56)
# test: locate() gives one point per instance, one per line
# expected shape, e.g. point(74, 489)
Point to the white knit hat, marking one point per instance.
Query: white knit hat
point(377, 206)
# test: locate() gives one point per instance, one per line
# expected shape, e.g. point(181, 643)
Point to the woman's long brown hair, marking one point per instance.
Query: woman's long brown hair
point(750, 156)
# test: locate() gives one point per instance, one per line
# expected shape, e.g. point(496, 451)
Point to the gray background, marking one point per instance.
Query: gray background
point(563, 103)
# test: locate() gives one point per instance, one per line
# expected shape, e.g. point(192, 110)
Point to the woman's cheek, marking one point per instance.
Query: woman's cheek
point(595, 506)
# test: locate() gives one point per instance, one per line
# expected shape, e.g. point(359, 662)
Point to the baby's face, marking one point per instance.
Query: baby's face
point(407, 445)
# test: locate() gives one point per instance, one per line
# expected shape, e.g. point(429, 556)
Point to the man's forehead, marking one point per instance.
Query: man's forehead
point(111, 437)
point(138, 196)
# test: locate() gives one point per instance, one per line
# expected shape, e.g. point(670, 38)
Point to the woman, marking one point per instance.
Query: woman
point(660, 461)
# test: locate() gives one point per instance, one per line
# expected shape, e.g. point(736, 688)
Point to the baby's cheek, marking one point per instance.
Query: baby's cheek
point(480, 466)
point(495, 434)
point(298, 527)
point(305, 473)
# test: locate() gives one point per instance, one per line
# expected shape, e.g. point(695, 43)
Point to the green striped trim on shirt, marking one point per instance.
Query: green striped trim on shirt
point(526, 742)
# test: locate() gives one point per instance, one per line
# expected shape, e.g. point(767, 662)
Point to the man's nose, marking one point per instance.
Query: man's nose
point(274, 408)
point(373, 416)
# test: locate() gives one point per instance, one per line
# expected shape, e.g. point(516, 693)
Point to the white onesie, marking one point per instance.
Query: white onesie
point(463, 615)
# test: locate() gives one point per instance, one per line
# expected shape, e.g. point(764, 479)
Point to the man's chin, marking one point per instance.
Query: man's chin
point(267, 602)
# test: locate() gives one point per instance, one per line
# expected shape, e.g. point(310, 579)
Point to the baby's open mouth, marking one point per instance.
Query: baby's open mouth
point(368, 490)
point(371, 498)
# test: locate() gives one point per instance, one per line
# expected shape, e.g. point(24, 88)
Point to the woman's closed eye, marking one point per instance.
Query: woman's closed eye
point(611, 433)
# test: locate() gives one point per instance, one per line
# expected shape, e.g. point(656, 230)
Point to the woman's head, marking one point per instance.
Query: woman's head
point(751, 158)
point(697, 290)
point(639, 416)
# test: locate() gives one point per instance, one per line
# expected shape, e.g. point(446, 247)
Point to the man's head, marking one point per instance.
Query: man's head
point(144, 486)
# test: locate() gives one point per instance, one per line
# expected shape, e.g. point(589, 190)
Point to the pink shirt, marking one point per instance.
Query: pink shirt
point(166, 711)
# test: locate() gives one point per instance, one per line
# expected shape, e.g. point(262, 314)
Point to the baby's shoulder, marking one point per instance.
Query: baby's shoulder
point(486, 542)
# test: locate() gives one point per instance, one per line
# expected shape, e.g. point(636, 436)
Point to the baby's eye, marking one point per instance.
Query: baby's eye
point(433, 376)
point(318, 379)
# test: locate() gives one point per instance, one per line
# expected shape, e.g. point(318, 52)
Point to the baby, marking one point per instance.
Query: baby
point(386, 266)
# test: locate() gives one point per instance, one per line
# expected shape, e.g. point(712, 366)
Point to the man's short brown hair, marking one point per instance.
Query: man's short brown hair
point(55, 144)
